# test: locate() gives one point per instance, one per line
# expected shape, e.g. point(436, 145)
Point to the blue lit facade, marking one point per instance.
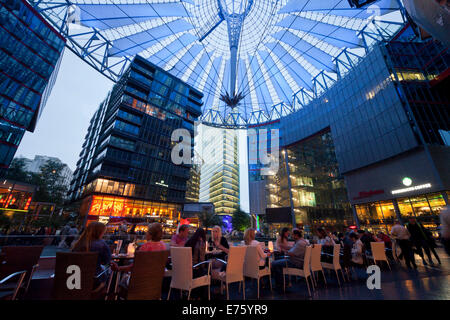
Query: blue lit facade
point(30, 51)
point(385, 120)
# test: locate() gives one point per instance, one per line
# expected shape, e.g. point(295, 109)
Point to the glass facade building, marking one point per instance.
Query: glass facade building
point(125, 167)
point(388, 119)
point(307, 182)
point(219, 182)
point(30, 51)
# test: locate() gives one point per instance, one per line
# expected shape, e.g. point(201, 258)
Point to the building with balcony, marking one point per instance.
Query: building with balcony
point(125, 169)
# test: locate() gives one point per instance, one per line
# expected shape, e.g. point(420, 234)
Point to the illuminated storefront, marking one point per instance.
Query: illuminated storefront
point(15, 200)
point(380, 215)
point(111, 209)
point(15, 195)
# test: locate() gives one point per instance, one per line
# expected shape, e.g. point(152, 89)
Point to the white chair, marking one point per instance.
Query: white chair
point(316, 265)
point(182, 273)
point(379, 252)
point(251, 266)
point(235, 269)
point(336, 264)
point(305, 272)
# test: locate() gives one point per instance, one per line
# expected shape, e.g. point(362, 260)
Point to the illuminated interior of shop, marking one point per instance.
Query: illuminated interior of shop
point(381, 215)
point(122, 207)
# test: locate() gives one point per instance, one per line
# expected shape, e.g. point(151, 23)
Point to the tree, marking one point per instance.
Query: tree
point(17, 170)
point(52, 181)
point(209, 219)
point(241, 220)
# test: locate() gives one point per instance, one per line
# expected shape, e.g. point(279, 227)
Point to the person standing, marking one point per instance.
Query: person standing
point(445, 228)
point(431, 242)
point(402, 235)
point(419, 239)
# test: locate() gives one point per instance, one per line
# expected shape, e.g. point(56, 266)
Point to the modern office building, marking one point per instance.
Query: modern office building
point(30, 51)
point(306, 190)
point(125, 168)
point(383, 128)
point(193, 184)
point(219, 182)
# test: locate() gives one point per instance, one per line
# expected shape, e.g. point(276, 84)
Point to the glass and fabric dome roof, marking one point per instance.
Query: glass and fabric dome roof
point(250, 58)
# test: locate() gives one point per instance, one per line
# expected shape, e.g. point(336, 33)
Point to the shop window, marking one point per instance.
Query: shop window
point(406, 210)
point(420, 206)
point(436, 201)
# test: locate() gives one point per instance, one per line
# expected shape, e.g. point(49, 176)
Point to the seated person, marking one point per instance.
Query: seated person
point(357, 250)
point(154, 243)
point(218, 242)
point(91, 241)
point(249, 239)
point(324, 238)
point(295, 260)
point(198, 244)
point(179, 239)
point(282, 241)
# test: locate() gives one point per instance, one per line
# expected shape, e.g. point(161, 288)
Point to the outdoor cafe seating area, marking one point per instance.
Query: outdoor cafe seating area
point(25, 275)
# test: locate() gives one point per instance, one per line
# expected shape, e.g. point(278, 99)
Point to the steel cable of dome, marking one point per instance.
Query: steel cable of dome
point(253, 56)
point(292, 46)
point(257, 46)
point(204, 47)
point(137, 44)
point(146, 31)
point(300, 39)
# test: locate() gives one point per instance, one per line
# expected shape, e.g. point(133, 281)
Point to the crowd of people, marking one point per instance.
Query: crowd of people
point(409, 239)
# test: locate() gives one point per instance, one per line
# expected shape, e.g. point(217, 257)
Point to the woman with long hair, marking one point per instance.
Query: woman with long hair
point(218, 241)
point(198, 244)
point(91, 241)
point(282, 240)
point(249, 239)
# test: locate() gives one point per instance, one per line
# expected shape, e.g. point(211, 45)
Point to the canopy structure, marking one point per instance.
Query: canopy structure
point(254, 60)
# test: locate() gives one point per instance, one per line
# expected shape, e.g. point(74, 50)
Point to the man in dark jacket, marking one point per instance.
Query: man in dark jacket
point(419, 239)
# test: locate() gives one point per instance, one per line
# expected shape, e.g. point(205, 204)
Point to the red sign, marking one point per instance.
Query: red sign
point(368, 194)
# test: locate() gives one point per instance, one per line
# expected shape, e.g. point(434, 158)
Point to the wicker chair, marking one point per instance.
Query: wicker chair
point(147, 275)
point(87, 263)
point(19, 258)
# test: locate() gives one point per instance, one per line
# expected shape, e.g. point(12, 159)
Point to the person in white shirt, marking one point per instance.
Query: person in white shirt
point(249, 239)
point(324, 239)
point(402, 235)
point(357, 250)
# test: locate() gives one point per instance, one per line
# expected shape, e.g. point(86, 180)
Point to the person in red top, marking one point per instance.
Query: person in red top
point(154, 243)
point(180, 238)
